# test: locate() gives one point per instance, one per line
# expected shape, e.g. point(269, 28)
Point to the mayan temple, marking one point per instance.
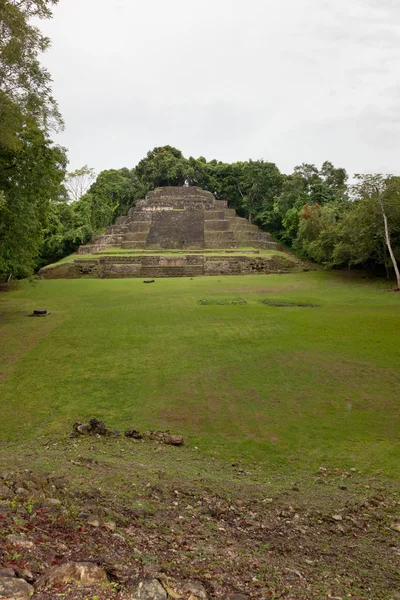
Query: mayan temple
point(186, 218)
point(176, 232)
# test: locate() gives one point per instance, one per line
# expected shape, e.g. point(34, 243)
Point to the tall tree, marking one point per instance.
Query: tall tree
point(23, 80)
point(385, 193)
point(31, 167)
point(77, 182)
point(163, 166)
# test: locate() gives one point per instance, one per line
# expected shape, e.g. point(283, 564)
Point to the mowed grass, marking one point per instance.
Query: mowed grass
point(288, 387)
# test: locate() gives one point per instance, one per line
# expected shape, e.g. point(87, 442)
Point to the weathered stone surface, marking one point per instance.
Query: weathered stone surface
point(20, 540)
point(7, 572)
point(5, 492)
point(12, 588)
point(174, 440)
point(133, 433)
point(192, 589)
point(78, 573)
point(149, 589)
point(186, 218)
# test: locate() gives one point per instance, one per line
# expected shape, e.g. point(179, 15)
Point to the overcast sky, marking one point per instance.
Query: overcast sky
point(289, 81)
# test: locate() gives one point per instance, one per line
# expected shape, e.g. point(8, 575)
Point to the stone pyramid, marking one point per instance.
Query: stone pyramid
point(187, 218)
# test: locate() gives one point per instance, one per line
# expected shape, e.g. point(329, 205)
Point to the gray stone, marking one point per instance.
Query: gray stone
point(12, 588)
point(149, 589)
point(192, 589)
point(5, 492)
point(20, 540)
point(53, 501)
point(7, 572)
point(174, 440)
point(77, 573)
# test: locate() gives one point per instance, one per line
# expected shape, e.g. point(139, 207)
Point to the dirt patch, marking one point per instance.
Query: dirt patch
point(221, 302)
point(309, 540)
point(280, 303)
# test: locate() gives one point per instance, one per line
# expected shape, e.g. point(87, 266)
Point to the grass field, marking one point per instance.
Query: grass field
point(287, 485)
point(288, 387)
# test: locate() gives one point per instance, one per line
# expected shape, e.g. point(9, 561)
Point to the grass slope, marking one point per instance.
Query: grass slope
point(288, 387)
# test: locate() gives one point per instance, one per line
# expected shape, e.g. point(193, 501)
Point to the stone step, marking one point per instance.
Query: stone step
point(153, 271)
point(216, 225)
point(221, 204)
point(275, 246)
point(139, 226)
point(214, 214)
point(109, 240)
point(121, 220)
point(117, 229)
point(251, 235)
point(136, 236)
point(222, 236)
point(230, 212)
point(131, 245)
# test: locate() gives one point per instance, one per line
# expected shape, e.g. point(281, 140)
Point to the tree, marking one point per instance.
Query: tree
point(112, 194)
point(385, 193)
point(31, 166)
point(260, 183)
point(28, 188)
point(23, 80)
point(77, 182)
point(163, 166)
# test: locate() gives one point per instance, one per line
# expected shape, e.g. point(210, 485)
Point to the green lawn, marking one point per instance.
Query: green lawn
point(288, 387)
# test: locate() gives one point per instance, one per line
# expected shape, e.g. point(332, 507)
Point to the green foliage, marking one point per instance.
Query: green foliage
point(30, 178)
point(24, 82)
point(163, 166)
point(31, 167)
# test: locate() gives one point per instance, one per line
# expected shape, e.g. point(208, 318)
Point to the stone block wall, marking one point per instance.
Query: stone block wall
point(169, 266)
point(177, 229)
point(181, 218)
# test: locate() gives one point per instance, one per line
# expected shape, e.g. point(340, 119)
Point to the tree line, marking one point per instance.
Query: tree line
point(46, 212)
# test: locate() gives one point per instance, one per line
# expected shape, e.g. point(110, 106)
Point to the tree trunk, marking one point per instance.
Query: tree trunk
point(389, 245)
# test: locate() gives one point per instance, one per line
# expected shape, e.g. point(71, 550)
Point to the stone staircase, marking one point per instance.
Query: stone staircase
point(180, 218)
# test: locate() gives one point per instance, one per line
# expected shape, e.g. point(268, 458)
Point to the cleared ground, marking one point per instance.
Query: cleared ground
point(286, 410)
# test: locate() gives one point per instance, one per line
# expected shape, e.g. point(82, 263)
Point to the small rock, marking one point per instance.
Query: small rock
point(28, 576)
point(20, 540)
point(5, 492)
point(174, 440)
point(12, 588)
point(192, 589)
point(94, 521)
point(150, 589)
point(337, 517)
point(53, 501)
point(98, 427)
point(7, 572)
point(83, 429)
point(133, 433)
point(82, 573)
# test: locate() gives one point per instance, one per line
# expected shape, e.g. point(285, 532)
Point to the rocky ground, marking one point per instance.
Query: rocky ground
point(121, 518)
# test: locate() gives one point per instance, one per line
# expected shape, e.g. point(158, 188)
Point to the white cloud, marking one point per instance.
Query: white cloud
point(294, 81)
